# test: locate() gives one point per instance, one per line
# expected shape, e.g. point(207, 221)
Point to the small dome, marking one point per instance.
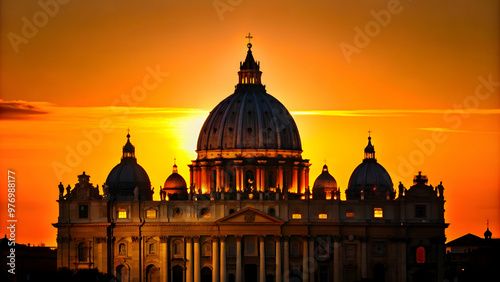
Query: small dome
point(175, 184)
point(487, 234)
point(127, 175)
point(325, 180)
point(370, 178)
point(324, 186)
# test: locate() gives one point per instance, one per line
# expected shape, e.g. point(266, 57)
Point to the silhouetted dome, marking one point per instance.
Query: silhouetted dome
point(325, 180)
point(175, 183)
point(370, 177)
point(250, 118)
point(127, 175)
point(487, 234)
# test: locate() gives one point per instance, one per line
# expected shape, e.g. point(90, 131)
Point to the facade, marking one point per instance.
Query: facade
point(248, 214)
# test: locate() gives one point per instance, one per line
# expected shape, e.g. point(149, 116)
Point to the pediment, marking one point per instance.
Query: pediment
point(249, 216)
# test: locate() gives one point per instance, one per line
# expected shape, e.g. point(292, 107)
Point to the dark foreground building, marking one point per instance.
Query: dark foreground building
point(472, 258)
point(249, 214)
point(32, 263)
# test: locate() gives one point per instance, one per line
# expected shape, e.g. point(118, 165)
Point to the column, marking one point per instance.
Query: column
point(278, 259)
point(189, 260)
point(286, 260)
point(305, 260)
point(196, 250)
point(336, 258)
point(363, 258)
point(402, 259)
point(215, 259)
point(312, 260)
point(238, 259)
point(295, 187)
point(223, 273)
point(262, 259)
point(163, 260)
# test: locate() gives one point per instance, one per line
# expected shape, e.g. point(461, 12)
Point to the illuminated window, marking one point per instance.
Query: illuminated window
point(349, 214)
point(296, 216)
point(378, 212)
point(122, 213)
point(322, 216)
point(83, 211)
point(420, 254)
point(151, 213)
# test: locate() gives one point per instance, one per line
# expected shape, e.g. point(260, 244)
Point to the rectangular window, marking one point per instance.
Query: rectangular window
point(122, 213)
point(151, 213)
point(296, 216)
point(322, 216)
point(378, 212)
point(420, 211)
point(152, 249)
point(349, 214)
point(83, 211)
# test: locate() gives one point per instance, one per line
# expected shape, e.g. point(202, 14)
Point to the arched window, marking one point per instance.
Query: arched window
point(83, 252)
point(205, 212)
point(271, 212)
point(420, 254)
point(178, 212)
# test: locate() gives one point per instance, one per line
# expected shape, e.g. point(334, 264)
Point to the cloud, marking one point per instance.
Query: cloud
point(18, 109)
point(392, 113)
point(455, 130)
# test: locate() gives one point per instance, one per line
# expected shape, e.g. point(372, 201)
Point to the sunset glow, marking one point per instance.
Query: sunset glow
point(426, 86)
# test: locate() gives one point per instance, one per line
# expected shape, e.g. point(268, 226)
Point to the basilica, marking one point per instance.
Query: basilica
point(249, 214)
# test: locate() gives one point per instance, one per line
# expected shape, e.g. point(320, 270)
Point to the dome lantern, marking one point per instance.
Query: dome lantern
point(249, 69)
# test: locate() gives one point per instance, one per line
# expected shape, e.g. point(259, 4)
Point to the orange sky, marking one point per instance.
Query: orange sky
point(67, 68)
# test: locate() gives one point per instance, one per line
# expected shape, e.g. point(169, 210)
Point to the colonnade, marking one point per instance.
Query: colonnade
point(282, 261)
point(295, 179)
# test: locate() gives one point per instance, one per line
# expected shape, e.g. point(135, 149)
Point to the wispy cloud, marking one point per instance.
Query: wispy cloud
point(455, 130)
point(18, 109)
point(396, 112)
